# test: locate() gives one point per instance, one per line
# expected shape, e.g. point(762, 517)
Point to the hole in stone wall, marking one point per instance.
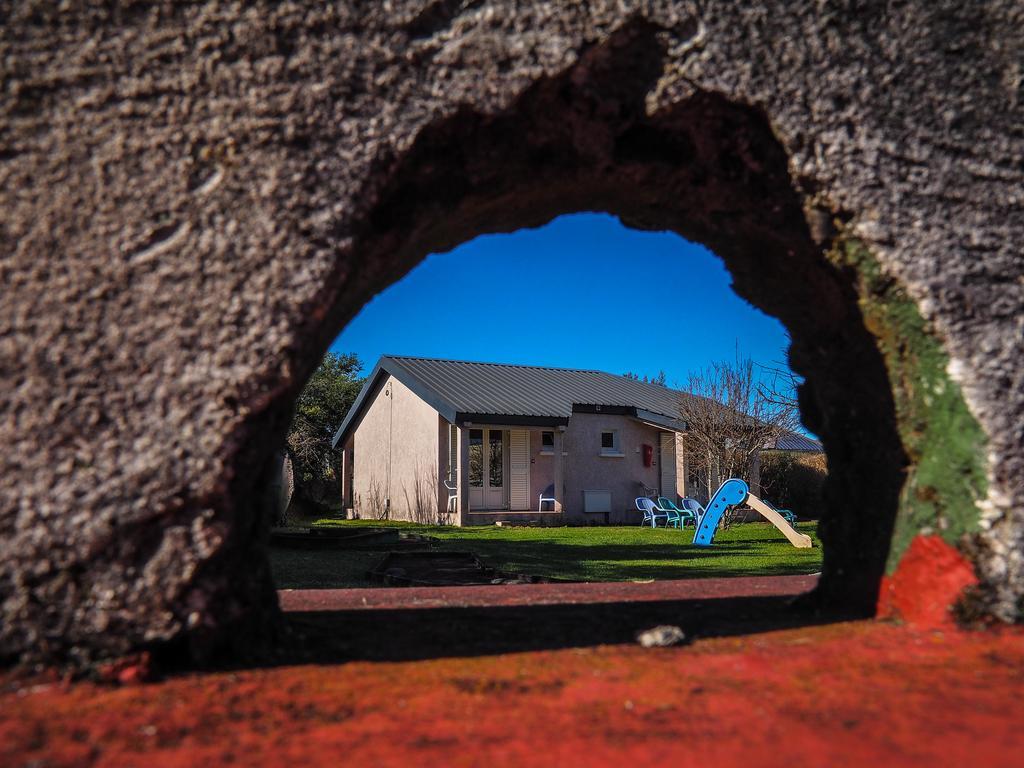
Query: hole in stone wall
point(708, 170)
point(550, 307)
point(712, 172)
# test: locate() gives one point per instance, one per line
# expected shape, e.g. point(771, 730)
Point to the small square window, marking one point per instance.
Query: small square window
point(610, 443)
point(547, 443)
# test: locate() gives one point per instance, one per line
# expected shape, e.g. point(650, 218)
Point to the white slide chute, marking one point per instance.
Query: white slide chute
point(797, 539)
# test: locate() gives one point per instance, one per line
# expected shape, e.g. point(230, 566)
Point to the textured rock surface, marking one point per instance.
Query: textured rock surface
point(196, 198)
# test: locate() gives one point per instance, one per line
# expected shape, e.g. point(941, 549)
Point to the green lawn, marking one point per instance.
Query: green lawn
point(614, 553)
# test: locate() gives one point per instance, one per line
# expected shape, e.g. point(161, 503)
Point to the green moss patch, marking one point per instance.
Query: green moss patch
point(943, 441)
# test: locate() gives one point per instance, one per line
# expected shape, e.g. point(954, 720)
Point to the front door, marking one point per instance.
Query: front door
point(486, 469)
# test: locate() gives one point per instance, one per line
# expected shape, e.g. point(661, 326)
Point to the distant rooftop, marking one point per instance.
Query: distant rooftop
point(794, 442)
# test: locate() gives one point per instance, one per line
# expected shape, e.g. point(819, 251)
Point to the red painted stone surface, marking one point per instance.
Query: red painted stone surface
point(854, 694)
point(930, 578)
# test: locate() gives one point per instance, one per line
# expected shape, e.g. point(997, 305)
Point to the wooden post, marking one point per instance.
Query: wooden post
point(346, 490)
point(682, 476)
point(713, 479)
point(755, 474)
point(559, 479)
point(462, 508)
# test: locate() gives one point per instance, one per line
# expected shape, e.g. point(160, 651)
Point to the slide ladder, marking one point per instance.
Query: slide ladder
point(734, 492)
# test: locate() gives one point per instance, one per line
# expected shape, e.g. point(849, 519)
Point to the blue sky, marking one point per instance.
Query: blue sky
point(581, 292)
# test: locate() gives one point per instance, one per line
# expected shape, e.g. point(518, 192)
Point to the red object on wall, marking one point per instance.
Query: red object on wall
point(648, 455)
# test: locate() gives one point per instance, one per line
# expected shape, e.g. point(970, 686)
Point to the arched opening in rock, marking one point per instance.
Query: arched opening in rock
point(558, 313)
point(708, 169)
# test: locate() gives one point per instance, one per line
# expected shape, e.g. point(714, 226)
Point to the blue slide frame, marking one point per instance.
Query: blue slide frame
point(729, 494)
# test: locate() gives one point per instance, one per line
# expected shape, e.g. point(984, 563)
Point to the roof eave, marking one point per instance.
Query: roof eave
point(661, 420)
point(512, 420)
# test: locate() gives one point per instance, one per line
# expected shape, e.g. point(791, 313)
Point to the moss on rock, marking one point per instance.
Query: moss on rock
point(945, 444)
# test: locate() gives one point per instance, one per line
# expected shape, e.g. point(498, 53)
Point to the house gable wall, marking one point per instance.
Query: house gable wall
point(396, 452)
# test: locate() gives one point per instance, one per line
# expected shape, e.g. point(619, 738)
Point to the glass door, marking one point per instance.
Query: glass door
point(495, 498)
point(486, 469)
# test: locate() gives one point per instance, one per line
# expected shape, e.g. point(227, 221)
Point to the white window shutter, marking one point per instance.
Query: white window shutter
point(668, 464)
point(519, 469)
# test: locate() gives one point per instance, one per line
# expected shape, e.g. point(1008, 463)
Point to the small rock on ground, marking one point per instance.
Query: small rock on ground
point(661, 636)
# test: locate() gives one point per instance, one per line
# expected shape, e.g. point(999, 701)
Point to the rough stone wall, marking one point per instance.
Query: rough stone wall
point(195, 198)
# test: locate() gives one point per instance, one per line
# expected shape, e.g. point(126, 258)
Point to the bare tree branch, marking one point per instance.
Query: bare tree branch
point(778, 383)
point(731, 414)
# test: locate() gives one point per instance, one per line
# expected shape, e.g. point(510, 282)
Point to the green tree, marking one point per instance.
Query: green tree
point(319, 411)
point(660, 379)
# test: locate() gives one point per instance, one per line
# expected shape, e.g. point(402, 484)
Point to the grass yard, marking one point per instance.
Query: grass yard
point(614, 553)
point(321, 568)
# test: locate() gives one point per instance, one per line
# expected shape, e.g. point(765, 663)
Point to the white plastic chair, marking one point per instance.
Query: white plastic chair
point(453, 496)
point(651, 511)
point(548, 494)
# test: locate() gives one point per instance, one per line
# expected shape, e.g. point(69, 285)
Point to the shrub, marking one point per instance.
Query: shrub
point(794, 481)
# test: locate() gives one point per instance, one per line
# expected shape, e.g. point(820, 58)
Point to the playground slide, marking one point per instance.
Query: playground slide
point(797, 539)
point(729, 494)
point(734, 492)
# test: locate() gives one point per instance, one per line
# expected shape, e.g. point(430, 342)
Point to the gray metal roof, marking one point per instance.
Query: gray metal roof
point(505, 393)
point(462, 390)
point(525, 390)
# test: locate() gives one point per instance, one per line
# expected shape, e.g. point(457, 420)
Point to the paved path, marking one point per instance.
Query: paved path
point(389, 598)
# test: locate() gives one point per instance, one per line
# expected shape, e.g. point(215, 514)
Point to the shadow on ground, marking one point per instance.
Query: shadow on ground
point(426, 633)
point(333, 633)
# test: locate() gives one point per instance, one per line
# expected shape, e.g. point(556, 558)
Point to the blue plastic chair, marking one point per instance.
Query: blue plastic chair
point(651, 511)
point(786, 513)
point(694, 508)
point(677, 518)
